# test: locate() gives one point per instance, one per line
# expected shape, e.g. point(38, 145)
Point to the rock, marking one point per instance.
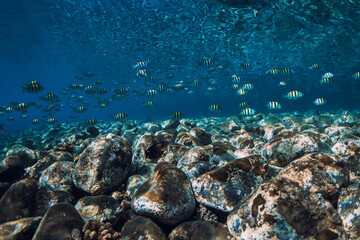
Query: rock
point(272, 131)
point(199, 137)
point(104, 164)
point(224, 187)
point(151, 127)
point(18, 149)
point(196, 154)
point(148, 149)
point(200, 230)
point(61, 222)
point(93, 131)
point(19, 229)
point(103, 208)
point(170, 124)
point(349, 209)
point(45, 198)
point(142, 228)
point(184, 138)
point(287, 147)
point(18, 201)
point(336, 132)
point(229, 126)
point(279, 207)
point(134, 182)
point(166, 197)
point(45, 160)
point(58, 176)
point(174, 152)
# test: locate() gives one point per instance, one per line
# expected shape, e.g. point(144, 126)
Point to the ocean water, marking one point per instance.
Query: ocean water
point(52, 42)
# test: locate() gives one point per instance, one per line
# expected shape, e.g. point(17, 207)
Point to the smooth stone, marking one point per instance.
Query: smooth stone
point(280, 207)
point(103, 208)
point(103, 165)
point(142, 228)
point(20, 229)
point(200, 230)
point(60, 222)
point(224, 187)
point(151, 127)
point(148, 148)
point(58, 176)
point(18, 201)
point(199, 137)
point(170, 124)
point(166, 197)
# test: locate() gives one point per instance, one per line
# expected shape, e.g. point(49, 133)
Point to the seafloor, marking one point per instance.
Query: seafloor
point(275, 176)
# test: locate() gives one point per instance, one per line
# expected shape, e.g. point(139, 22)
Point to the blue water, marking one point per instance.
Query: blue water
point(54, 41)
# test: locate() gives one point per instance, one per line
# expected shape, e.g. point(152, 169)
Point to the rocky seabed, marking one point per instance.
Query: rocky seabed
point(275, 176)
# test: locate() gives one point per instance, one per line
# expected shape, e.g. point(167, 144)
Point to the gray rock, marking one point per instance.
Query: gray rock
point(166, 197)
point(151, 127)
point(19, 229)
point(61, 222)
point(103, 165)
point(58, 176)
point(200, 137)
point(142, 228)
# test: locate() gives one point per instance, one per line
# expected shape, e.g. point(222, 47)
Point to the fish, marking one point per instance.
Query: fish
point(33, 87)
point(241, 92)
point(90, 90)
point(142, 64)
point(79, 77)
point(248, 86)
point(273, 105)
point(314, 66)
point(102, 91)
point(245, 65)
point(10, 118)
point(25, 116)
point(208, 63)
point(142, 73)
point(235, 86)
point(88, 74)
point(151, 78)
point(247, 112)
point(90, 122)
point(21, 107)
point(81, 109)
point(195, 83)
point(121, 116)
point(242, 105)
point(294, 95)
point(76, 86)
point(356, 75)
point(177, 115)
point(35, 121)
point(121, 91)
point(149, 104)
point(9, 109)
point(282, 83)
point(172, 66)
point(325, 80)
point(327, 75)
point(51, 121)
point(214, 108)
point(151, 93)
point(236, 79)
point(320, 101)
point(287, 71)
point(98, 82)
point(272, 71)
point(178, 87)
point(160, 88)
point(50, 97)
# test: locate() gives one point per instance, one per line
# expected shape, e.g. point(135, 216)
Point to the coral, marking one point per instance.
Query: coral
point(67, 147)
point(97, 230)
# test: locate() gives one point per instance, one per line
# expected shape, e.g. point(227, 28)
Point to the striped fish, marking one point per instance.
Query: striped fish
point(247, 112)
point(273, 105)
point(33, 87)
point(293, 95)
point(214, 108)
point(177, 115)
point(121, 116)
point(320, 101)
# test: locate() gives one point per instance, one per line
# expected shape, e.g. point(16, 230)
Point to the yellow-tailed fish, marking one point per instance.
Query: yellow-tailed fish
point(325, 81)
point(121, 116)
point(91, 122)
point(245, 65)
point(151, 93)
point(241, 92)
point(282, 83)
point(242, 105)
point(320, 101)
point(273, 105)
point(149, 104)
point(248, 86)
point(356, 75)
point(314, 66)
point(327, 75)
point(214, 108)
point(273, 71)
point(247, 112)
point(51, 121)
point(88, 74)
point(33, 87)
point(293, 95)
point(177, 115)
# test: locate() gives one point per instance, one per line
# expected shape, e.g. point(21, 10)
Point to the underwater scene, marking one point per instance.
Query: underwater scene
point(194, 119)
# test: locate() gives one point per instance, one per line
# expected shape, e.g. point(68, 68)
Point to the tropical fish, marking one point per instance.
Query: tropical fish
point(121, 91)
point(214, 108)
point(241, 92)
point(50, 97)
point(282, 83)
point(242, 105)
point(35, 121)
point(142, 73)
point(160, 88)
point(320, 101)
point(293, 95)
point(103, 91)
point(326, 80)
point(208, 63)
point(142, 64)
point(9, 109)
point(235, 86)
point(91, 122)
point(51, 120)
point(22, 107)
point(90, 90)
point(273, 105)
point(33, 87)
point(356, 75)
point(121, 116)
point(273, 71)
point(172, 66)
point(314, 66)
point(248, 86)
point(151, 93)
point(10, 118)
point(178, 87)
point(79, 77)
point(236, 79)
point(88, 74)
point(247, 112)
point(81, 109)
point(287, 71)
point(195, 83)
point(177, 115)
point(149, 104)
point(76, 86)
point(327, 75)
point(245, 65)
